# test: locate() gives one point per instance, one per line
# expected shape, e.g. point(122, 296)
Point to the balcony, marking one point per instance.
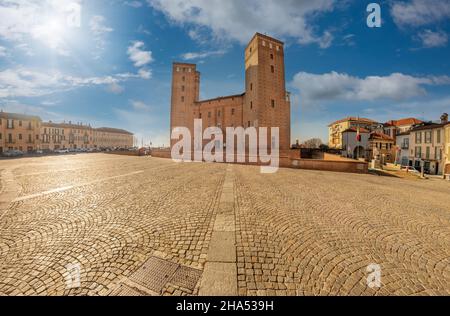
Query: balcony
point(405, 146)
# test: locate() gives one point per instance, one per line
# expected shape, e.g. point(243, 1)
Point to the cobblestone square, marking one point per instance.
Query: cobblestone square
point(148, 226)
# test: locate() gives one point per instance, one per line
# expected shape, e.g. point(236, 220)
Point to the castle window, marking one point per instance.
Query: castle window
point(209, 114)
point(249, 123)
point(182, 99)
point(189, 70)
point(251, 86)
point(232, 111)
point(264, 43)
point(272, 68)
point(178, 69)
point(200, 116)
point(182, 88)
point(270, 45)
point(184, 78)
point(273, 103)
point(271, 56)
point(278, 48)
point(251, 105)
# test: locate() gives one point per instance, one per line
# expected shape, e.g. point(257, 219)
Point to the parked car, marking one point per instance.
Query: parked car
point(13, 153)
point(62, 151)
point(39, 152)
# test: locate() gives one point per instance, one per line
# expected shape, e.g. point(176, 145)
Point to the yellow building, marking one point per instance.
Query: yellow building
point(336, 129)
point(56, 136)
point(106, 137)
point(19, 132)
point(447, 149)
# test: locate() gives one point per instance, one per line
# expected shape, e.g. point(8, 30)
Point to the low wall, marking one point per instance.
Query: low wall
point(123, 153)
point(327, 165)
point(161, 153)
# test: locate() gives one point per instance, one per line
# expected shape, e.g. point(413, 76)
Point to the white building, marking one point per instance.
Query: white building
point(355, 148)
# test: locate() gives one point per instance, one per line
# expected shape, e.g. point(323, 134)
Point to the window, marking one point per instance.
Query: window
point(37, 137)
point(272, 69)
point(251, 105)
point(428, 137)
point(278, 48)
point(273, 103)
point(251, 87)
point(428, 152)
point(218, 113)
point(184, 78)
point(182, 88)
point(232, 111)
point(419, 137)
point(438, 153)
point(209, 114)
point(178, 69)
point(270, 45)
point(10, 123)
point(418, 152)
point(264, 43)
point(20, 136)
point(0, 135)
point(271, 56)
point(182, 99)
point(438, 136)
point(20, 123)
point(249, 123)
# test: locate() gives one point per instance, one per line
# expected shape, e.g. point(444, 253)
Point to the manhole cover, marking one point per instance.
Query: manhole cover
point(154, 274)
point(186, 278)
point(125, 290)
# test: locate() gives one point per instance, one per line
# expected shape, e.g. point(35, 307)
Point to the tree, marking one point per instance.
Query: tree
point(313, 143)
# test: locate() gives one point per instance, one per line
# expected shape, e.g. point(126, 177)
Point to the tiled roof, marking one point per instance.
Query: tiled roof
point(376, 135)
point(113, 130)
point(428, 126)
point(355, 119)
point(404, 122)
point(355, 130)
point(16, 116)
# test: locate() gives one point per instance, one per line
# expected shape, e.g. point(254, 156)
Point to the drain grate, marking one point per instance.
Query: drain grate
point(155, 274)
point(125, 290)
point(186, 278)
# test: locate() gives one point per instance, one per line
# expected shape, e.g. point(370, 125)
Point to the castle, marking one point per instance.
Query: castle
point(265, 102)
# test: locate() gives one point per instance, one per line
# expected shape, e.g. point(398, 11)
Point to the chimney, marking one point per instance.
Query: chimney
point(444, 118)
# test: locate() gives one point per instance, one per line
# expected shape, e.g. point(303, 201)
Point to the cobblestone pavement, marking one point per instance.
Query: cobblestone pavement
point(147, 226)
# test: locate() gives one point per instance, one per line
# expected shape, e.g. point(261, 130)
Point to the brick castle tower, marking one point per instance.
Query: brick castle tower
point(265, 102)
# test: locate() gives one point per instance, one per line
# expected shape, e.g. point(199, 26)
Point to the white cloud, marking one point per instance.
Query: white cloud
point(431, 39)
point(145, 73)
point(239, 20)
point(23, 82)
point(341, 86)
point(135, 4)
point(44, 21)
point(139, 56)
point(115, 88)
point(192, 56)
point(140, 106)
point(98, 31)
point(2, 51)
point(420, 12)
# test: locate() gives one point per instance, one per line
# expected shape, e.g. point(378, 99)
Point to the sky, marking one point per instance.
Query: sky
point(108, 62)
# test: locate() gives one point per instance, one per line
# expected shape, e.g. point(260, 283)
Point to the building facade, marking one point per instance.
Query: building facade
point(336, 129)
point(427, 146)
point(403, 147)
point(19, 132)
point(265, 102)
point(447, 149)
point(29, 134)
point(382, 147)
point(354, 146)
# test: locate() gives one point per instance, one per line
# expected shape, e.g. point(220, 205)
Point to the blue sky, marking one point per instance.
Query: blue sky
point(113, 68)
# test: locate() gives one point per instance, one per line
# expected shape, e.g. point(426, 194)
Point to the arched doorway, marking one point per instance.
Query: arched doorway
point(359, 152)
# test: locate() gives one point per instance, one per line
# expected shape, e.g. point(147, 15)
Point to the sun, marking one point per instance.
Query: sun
point(52, 33)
